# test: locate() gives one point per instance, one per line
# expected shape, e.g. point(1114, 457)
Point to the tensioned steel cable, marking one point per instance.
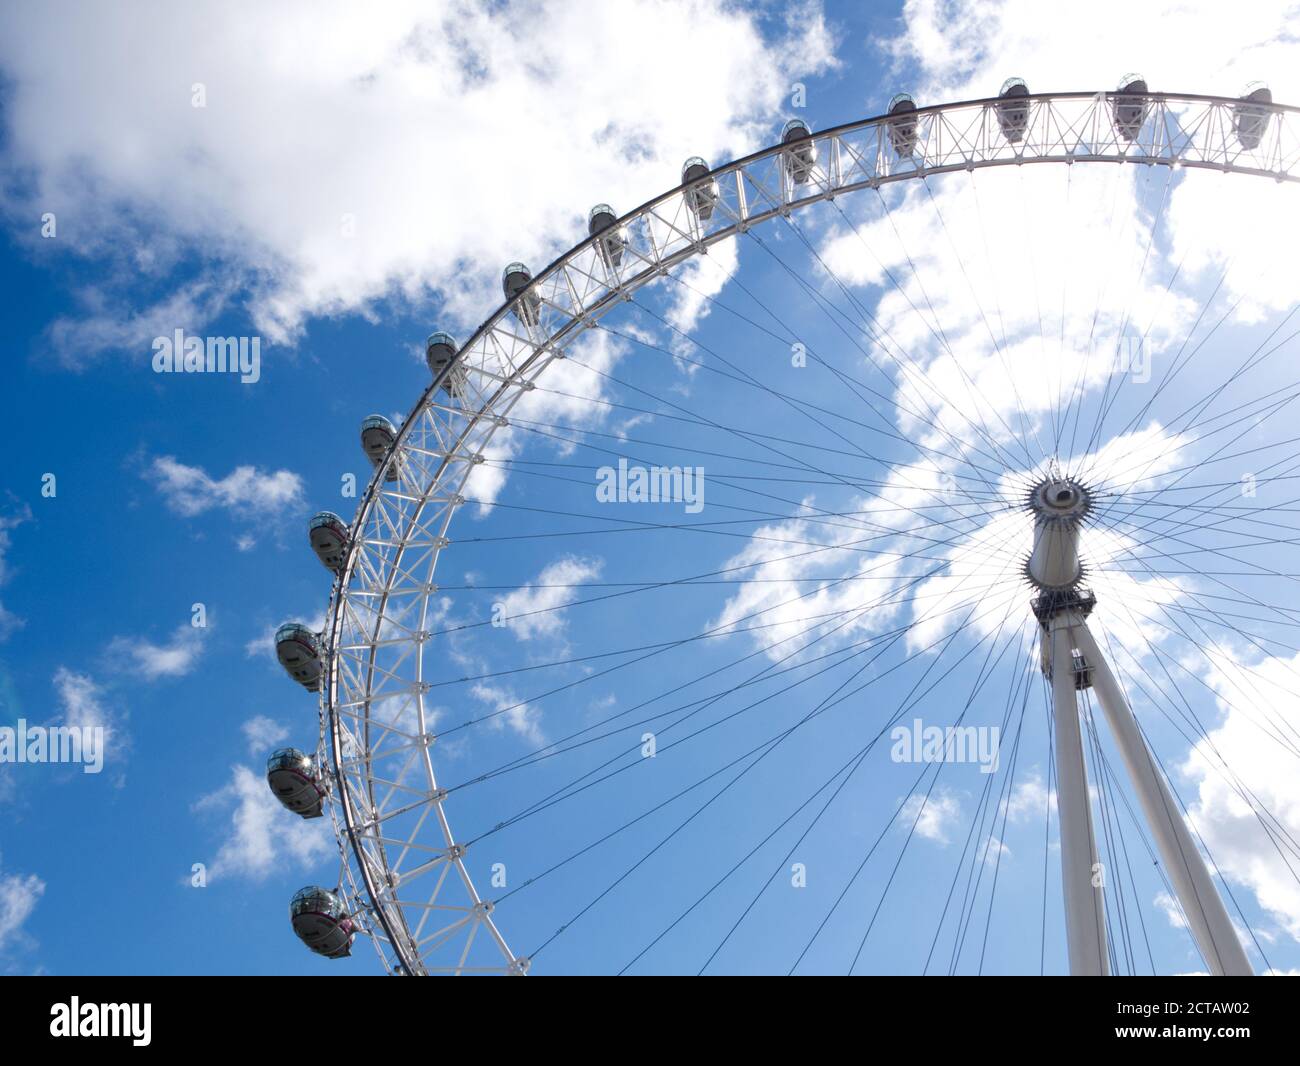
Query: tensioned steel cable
point(563, 793)
point(851, 767)
point(856, 386)
point(985, 672)
point(828, 702)
point(893, 557)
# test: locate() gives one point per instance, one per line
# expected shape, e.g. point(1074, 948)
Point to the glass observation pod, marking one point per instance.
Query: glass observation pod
point(321, 921)
point(298, 650)
point(801, 154)
point(515, 280)
point(902, 129)
point(1129, 105)
point(603, 222)
point(1013, 109)
point(293, 780)
point(439, 351)
point(377, 438)
point(703, 191)
point(328, 534)
point(1249, 118)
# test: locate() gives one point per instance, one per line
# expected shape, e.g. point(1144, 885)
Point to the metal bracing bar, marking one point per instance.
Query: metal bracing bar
point(1081, 880)
point(1215, 936)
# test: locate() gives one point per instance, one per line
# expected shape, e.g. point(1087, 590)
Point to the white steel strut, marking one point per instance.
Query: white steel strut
point(1075, 661)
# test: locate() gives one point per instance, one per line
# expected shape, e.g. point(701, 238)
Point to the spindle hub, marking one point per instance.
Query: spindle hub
point(1059, 499)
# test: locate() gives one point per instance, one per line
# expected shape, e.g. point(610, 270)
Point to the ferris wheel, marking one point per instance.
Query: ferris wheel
point(1008, 520)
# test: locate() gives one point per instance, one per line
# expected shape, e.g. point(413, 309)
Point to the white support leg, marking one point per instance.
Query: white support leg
point(1215, 936)
point(1085, 914)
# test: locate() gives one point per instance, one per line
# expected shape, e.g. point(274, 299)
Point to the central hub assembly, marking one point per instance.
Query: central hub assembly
point(1059, 506)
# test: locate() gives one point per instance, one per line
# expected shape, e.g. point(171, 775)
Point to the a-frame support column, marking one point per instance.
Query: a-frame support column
point(1081, 881)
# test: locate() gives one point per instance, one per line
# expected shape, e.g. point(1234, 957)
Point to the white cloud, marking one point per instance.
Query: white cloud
point(262, 645)
point(1029, 800)
point(263, 734)
point(175, 658)
point(523, 718)
point(396, 113)
point(1260, 703)
point(81, 700)
point(934, 816)
point(19, 894)
point(1248, 243)
point(785, 609)
point(980, 270)
point(8, 620)
point(967, 48)
point(103, 324)
point(994, 851)
point(532, 611)
point(262, 837)
point(699, 280)
point(1169, 907)
point(245, 491)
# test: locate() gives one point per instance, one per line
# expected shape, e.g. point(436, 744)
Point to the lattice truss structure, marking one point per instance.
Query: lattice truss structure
point(404, 870)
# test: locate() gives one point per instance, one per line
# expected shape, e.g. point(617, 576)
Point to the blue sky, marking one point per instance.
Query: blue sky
point(354, 185)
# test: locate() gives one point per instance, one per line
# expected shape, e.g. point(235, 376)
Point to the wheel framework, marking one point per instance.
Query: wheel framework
point(407, 869)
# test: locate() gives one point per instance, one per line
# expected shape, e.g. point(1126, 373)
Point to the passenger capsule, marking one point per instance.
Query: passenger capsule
point(295, 782)
point(902, 130)
point(514, 281)
point(1130, 105)
point(377, 438)
point(703, 191)
point(602, 222)
point(328, 534)
point(439, 352)
point(1249, 118)
point(298, 650)
point(1013, 109)
point(800, 154)
point(321, 921)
